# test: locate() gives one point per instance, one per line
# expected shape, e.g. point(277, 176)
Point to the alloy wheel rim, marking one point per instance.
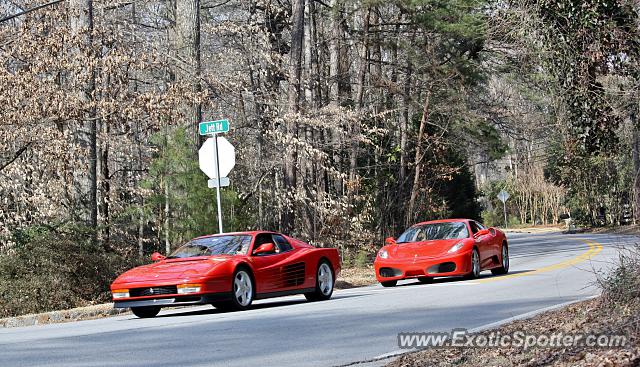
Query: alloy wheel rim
point(476, 264)
point(505, 258)
point(325, 279)
point(243, 288)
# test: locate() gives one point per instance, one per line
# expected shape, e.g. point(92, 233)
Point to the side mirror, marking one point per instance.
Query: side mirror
point(390, 241)
point(265, 248)
point(482, 232)
point(156, 256)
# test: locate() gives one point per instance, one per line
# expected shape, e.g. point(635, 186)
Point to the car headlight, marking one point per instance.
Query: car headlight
point(188, 288)
point(383, 254)
point(456, 247)
point(120, 293)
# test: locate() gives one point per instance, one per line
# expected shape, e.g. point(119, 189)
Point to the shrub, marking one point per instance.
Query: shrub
point(49, 269)
point(362, 259)
point(622, 284)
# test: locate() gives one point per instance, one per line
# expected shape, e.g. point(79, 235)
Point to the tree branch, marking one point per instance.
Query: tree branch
point(15, 156)
point(30, 10)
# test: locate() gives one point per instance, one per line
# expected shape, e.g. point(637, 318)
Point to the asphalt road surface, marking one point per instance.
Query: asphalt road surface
point(356, 325)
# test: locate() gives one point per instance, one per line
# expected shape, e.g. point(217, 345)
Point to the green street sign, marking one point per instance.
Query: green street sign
point(214, 127)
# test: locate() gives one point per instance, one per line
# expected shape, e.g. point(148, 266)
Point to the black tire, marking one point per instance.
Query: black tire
point(475, 265)
point(425, 280)
point(145, 312)
point(240, 303)
point(389, 283)
point(504, 261)
point(324, 286)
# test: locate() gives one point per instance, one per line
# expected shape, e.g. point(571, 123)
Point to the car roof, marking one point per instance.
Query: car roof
point(248, 233)
point(452, 220)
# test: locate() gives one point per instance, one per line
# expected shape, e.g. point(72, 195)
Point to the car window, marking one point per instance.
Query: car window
point(434, 231)
point(213, 245)
point(474, 227)
point(263, 238)
point(282, 243)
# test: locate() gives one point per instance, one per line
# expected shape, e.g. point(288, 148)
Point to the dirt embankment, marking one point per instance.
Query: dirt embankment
point(590, 317)
point(615, 313)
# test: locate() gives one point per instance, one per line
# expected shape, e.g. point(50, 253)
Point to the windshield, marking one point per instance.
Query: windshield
point(217, 245)
point(435, 231)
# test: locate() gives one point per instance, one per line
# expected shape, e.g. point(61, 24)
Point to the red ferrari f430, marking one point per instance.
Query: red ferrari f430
point(228, 271)
point(442, 248)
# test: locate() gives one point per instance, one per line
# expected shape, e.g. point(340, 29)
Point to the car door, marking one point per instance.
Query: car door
point(496, 242)
point(293, 268)
point(267, 267)
point(483, 243)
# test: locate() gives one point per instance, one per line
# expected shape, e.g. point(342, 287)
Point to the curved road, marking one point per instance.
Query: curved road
point(357, 325)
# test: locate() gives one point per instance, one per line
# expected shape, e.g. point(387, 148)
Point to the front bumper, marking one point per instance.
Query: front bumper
point(182, 300)
point(444, 266)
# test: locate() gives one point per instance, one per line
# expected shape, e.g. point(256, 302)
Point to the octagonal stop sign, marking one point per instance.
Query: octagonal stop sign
point(207, 156)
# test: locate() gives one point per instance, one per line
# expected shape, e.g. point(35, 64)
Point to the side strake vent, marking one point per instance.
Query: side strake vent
point(293, 275)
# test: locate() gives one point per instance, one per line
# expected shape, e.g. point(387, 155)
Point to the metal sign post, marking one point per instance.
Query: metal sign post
point(224, 158)
point(217, 161)
point(504, 196)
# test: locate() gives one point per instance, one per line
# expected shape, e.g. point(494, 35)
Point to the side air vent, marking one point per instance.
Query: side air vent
point(293, 275)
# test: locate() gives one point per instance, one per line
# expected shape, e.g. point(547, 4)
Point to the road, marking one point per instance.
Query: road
point(357, 324)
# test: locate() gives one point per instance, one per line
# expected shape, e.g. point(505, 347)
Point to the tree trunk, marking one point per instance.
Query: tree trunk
point(295, 72)
point(405, 101)
point(355, 129)
point(167, 243)
point(105, 187)
point(415, 189)
point(335, 35)
point(81, 23)
point(636, 166)
point(187, 44)
point(141, 220)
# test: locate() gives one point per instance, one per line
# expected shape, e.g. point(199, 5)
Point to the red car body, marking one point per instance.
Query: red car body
point(210, 279)
point(426, 259)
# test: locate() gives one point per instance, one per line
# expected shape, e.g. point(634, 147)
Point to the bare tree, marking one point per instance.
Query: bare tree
point(81, 22)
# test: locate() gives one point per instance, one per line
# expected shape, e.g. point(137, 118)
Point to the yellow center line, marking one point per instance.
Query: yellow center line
point(594, 249)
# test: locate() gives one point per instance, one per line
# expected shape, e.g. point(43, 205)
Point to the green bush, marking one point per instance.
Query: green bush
point(51, 269)
point(491, 218)
point(362, 259)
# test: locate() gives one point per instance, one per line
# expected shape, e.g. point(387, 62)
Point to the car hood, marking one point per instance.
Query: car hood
point(423, 248)
point(172, 269)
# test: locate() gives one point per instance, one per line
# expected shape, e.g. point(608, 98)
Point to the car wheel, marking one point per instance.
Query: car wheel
point(389, 283)
point(243, 291)
point(504, 261)
point(145, 312)
point(324, 283)
point(425, 280)
point(475, 265)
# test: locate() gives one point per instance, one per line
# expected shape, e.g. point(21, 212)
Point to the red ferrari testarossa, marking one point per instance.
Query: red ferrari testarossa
point(442, 248)
point(229, 271)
